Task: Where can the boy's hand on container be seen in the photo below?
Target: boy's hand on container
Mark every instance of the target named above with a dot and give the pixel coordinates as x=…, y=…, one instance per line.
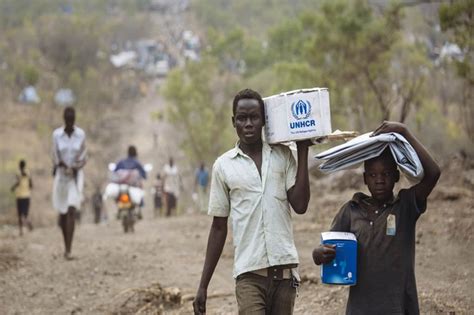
x=324, y=254
x=389, y=126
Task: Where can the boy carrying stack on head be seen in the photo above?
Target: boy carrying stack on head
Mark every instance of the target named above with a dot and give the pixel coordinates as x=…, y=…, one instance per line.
x=384, y=224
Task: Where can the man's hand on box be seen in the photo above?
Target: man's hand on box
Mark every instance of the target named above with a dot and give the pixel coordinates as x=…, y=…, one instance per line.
x=304, y=144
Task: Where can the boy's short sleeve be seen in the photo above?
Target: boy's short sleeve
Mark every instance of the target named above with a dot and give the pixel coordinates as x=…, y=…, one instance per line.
x=219, y=200
x=342, y=220
x=413, y=206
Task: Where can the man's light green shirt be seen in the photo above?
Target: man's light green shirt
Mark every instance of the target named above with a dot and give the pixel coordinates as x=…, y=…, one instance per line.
x=258, y=206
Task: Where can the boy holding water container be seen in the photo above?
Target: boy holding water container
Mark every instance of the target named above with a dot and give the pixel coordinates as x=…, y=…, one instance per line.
x=384, y=225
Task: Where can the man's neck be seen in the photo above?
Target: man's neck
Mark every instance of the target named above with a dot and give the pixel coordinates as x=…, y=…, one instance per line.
x=69, y=130
x=251, y=148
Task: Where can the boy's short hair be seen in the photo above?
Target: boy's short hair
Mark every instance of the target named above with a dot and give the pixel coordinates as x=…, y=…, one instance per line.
x=248, y=94
x=22, y=164
x=386, y=155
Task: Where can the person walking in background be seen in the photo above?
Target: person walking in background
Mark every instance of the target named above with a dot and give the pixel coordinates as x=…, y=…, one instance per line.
x=200, y=184
x=22, y=189
x=158, y=195
x=171, y=186
x=97, y=203
x=69, y=158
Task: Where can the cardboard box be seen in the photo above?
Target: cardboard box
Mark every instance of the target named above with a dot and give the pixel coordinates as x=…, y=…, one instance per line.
x=297, y=115
x=342, y=269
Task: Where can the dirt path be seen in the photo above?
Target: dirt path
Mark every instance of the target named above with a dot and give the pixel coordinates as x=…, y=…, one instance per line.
x=35, y=279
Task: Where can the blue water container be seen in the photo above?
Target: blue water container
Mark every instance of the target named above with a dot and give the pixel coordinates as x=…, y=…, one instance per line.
x=342, y=269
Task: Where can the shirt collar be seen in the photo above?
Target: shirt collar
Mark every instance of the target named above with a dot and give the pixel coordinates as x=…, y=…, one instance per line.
x=364, y=200
x=63, y=131
x=238, y=151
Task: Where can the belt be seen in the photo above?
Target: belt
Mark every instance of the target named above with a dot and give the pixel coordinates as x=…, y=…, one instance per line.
x=274, y=273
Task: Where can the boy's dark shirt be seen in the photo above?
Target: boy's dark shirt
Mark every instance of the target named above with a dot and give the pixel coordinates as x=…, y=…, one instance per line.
x=385, y=264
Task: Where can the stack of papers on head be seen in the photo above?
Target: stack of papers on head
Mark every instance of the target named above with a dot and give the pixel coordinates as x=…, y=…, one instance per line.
x=365, y=147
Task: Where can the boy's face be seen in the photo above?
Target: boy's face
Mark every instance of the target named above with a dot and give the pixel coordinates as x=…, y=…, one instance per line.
x=248, y=121
x=380, y=177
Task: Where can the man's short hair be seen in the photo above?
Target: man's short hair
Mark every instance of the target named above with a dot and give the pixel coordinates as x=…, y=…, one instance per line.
x=69, y=109
x=132, y=151
x=248, y=94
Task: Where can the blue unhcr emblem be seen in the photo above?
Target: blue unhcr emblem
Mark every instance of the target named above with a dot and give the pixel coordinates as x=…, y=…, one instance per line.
x=301, y=109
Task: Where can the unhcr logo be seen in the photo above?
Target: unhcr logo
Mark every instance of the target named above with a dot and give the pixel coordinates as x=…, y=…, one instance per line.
x=301, y=109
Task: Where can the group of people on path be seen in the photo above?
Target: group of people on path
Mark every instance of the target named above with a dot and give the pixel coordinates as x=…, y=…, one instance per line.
x=256, y=183
x=260, y=185
x=69, y=157
x=167, y=188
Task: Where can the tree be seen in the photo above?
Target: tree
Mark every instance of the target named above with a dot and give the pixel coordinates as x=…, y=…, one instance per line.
x=458, y=19
x=70, y=43
x=200, y=106
x=409, y=71
x=358, y=53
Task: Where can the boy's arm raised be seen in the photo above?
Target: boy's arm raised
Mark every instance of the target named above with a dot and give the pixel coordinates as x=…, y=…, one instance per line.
x=431, y=168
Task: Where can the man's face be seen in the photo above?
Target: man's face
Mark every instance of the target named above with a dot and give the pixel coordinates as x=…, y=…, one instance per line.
x=248, y=121
x=69, y=118
x=380, y=177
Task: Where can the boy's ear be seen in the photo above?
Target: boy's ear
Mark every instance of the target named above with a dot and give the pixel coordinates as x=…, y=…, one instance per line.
x=397, y=176
x=233, y=121
x=365, y=182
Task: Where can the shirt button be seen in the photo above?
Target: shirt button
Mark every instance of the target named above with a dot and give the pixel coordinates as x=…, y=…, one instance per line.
x=371, y=223
x=376, y=211
x=275, y=269
x=274, y=277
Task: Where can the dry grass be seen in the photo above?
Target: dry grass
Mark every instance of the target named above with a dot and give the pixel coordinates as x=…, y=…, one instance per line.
x=152, y=300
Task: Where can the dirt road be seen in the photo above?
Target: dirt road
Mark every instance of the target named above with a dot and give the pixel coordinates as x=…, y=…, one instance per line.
x=35, y=279
x=109, y=265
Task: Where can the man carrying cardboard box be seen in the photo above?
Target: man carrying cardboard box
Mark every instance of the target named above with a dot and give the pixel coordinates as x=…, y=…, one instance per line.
x=255, y=182
x=297, y=115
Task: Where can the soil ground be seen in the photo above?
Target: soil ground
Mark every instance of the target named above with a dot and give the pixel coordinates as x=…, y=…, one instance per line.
x=110, y=265
x=35, y=279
